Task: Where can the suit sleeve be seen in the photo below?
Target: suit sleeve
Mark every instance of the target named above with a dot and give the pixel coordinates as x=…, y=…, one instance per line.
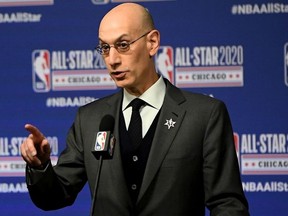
x=59, y=186
x=222, y=184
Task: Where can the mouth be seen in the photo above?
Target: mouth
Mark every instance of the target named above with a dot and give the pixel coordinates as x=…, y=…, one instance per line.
x=118, y=74
x=115, y=73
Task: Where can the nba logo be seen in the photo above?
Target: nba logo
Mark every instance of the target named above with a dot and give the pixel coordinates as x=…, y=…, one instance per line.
x=164, y=62
x=286, y=63
x=100, y=141
x=41, y=70
x=100, y=1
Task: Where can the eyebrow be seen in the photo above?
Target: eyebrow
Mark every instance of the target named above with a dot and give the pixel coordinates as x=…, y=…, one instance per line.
x=117, y=39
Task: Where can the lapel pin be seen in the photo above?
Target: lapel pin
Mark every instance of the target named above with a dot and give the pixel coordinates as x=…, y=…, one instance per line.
x=170, y=123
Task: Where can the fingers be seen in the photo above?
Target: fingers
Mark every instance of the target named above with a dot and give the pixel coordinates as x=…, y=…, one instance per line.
x=30, y=145
x=35, y=150
x=37, y=136
x=29, y=153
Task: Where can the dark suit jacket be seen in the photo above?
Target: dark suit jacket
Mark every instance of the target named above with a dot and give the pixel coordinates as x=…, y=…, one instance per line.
x=190, y=165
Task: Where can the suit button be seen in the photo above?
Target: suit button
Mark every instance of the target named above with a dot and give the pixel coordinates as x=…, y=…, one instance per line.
x=135, y=158
x=134, y=187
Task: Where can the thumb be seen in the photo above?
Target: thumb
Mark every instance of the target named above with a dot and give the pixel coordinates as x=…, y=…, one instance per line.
x=45, y=147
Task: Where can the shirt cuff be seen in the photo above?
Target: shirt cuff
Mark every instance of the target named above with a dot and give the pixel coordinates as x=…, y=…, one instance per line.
x=33, y=175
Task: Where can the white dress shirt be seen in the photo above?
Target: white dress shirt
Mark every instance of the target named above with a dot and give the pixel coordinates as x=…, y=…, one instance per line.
x=154, y=97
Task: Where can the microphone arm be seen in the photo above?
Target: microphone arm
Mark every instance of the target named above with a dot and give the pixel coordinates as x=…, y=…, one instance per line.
x=103, y=148
x=96, y=185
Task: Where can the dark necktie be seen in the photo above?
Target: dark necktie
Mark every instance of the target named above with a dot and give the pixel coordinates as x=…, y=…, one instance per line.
x=135, y=126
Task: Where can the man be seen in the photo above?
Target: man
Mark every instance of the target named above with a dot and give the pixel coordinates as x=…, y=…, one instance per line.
x=186, y=159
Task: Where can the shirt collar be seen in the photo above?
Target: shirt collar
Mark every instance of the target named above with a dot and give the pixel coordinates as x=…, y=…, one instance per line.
x=154, y=96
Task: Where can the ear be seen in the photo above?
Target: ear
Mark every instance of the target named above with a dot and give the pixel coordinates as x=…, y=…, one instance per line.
x=153, y=42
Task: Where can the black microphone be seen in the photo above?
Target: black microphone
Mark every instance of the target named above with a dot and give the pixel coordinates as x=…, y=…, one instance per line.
x=104, y=139
x=103, y=148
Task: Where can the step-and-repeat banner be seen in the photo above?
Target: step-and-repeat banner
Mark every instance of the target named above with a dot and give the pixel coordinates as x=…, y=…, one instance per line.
x=236, y=51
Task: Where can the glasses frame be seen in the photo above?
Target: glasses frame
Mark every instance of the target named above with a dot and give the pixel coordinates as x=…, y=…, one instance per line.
x=99, y=48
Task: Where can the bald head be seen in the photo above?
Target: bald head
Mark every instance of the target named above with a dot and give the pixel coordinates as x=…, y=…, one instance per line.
x=129, y=29
x=128, y=16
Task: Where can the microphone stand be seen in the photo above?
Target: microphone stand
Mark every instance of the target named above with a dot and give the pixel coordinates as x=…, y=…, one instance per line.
x=96, y=185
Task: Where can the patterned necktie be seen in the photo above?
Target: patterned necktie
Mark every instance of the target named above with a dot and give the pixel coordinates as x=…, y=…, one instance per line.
x=135, y=126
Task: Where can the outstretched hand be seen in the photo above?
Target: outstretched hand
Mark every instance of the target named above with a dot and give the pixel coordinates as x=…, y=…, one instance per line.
x=35, y=150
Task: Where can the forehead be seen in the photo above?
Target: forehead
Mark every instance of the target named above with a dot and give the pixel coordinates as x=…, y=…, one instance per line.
x=111, y=35
x=111, y=32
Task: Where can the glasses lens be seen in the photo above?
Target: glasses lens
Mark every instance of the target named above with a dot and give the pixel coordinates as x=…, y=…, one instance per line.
x=99, y=49
x=105, y=48
x=122, y=46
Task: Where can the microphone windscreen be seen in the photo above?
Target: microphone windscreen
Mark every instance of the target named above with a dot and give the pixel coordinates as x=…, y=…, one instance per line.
x=107, y=123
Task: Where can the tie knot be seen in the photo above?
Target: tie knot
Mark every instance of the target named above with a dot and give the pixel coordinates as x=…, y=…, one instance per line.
x=136, y=104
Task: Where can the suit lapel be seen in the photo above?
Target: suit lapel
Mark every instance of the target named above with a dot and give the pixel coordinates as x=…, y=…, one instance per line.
x=169, y=122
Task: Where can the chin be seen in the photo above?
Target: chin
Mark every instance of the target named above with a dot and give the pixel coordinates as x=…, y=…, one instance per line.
x=121, y=83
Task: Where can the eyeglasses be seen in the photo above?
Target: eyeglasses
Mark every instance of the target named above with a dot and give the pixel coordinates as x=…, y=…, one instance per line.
x=120, y=46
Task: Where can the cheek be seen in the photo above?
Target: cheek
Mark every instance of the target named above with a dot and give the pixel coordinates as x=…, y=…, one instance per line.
x=141, y=59
x=105, y=60
x=134, y=62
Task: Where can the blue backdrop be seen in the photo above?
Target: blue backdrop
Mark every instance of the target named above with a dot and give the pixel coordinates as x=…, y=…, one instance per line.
x=236, y=51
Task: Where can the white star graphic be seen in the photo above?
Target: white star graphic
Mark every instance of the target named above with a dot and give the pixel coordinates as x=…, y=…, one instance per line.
x=170, y=123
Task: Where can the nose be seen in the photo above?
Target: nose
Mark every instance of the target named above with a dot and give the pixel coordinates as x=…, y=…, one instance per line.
x=114, y=57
